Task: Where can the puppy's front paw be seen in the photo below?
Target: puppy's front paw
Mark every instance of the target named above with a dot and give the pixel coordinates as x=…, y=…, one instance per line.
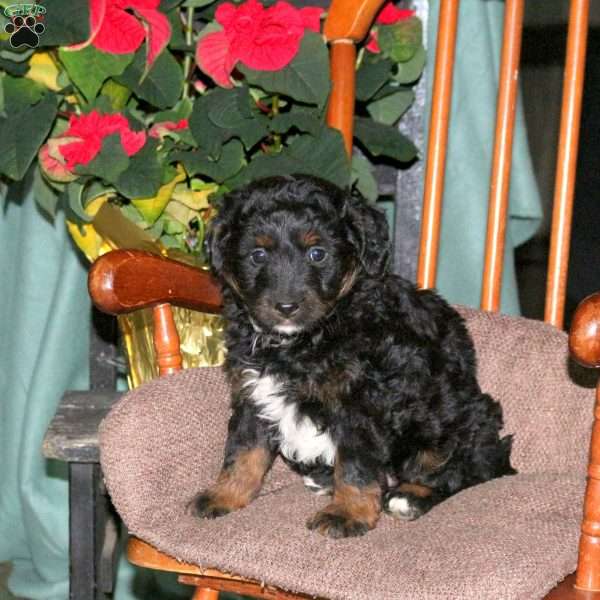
x=337, y=524
x=206, y=506
x=406, y=506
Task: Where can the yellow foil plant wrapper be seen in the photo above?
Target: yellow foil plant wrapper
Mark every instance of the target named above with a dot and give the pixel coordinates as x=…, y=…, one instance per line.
x=201, y=334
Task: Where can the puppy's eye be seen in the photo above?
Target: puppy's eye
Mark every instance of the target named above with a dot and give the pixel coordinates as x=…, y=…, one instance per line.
x=317, y=254
x=259, y=256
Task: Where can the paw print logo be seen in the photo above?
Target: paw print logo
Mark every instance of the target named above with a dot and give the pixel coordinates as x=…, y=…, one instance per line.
x=25, y=29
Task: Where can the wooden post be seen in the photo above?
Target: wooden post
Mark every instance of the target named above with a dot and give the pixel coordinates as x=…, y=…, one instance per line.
x=584, y=343
x=566, y=162
x=502, y=156
x=340, y=112
x=588, y=566
x=166, y=341
x=437, y=144
x=347, y=23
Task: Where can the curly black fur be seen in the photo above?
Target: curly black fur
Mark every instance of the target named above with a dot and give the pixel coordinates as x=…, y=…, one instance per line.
x=366, y=385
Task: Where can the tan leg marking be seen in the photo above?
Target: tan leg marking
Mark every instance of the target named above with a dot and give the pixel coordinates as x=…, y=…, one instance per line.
x=239, y=483
x=421, y=491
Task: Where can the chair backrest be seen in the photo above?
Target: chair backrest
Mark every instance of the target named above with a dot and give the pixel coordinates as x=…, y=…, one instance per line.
x=502, y=154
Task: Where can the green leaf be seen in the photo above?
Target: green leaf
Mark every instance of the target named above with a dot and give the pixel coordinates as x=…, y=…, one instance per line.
x=162, y=85
x=117, y=94
x=372, y=74
x=89, y=68
x=66, y=23
x=363, y=178
x=323, y=156
x=45, y=196
x=20, y=92
x=16, y=55
x=74, y=205
x=305, y=79
x=389, y=109
x=229, y=111
x=302, y=119
x=198, y=162
x=383, y=140
x=197, y=3
x=206, y=134
x=409, y=72
x=401, y=40
x=143, y=176
x=182, y=110
x=22, y=133
x=109, y=163
x=220, y=116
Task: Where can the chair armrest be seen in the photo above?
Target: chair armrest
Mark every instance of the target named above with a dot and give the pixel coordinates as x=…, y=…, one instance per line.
x=584, y=337
x=123, y=281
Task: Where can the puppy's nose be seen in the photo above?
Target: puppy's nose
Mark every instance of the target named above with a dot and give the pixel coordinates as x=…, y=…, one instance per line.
x=287, y=309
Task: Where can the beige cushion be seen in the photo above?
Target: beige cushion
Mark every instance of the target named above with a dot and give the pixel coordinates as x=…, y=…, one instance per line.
x=511, y=538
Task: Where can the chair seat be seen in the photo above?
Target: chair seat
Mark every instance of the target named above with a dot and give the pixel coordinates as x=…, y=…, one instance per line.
x=511, y=538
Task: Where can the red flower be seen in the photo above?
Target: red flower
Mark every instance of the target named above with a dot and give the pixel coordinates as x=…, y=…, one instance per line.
x=388, y=16
x=82, y=141
x=114, y=29
x=159, y=130
x=265, y=39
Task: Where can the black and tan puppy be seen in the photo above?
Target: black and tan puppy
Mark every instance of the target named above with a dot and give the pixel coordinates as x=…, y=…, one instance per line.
x=363, y=384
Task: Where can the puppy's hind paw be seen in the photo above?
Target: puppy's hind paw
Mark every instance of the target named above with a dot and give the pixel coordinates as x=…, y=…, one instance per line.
x=204, y=506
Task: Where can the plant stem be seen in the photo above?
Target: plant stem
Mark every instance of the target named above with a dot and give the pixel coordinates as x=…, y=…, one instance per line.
x=187, y=61
x=277, y=144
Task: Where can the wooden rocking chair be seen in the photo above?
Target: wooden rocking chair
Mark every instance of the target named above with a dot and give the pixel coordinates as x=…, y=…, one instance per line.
x=119, y=282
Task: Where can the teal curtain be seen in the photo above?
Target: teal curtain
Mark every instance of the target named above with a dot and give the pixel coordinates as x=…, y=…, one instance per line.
x=44, y=316
x=43, y=351
x=469, y=159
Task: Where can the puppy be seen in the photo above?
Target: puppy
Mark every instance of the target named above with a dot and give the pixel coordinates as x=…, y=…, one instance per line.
x=364, y=385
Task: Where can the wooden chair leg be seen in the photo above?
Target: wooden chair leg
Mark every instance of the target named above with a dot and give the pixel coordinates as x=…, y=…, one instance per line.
x=205, y=594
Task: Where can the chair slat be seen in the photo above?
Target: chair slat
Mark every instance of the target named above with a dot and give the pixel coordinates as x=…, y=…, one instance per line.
x=566, y=162
x=437, y=143
x=502, y=155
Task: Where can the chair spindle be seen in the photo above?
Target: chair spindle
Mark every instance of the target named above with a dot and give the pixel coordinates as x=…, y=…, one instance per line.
x=205, y=594
x=166, y=341
x=437, y=143
x=566, y=162
x=502, y=155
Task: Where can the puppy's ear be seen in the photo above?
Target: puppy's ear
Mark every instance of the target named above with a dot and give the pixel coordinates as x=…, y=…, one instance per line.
x=215, y=242
x=368, y=233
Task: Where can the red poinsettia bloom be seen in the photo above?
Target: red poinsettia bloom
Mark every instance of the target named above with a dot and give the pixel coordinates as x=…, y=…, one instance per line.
x=82, y=141
x=388, y=16
x=265, y=39
x=115, y=29
x=159, y=130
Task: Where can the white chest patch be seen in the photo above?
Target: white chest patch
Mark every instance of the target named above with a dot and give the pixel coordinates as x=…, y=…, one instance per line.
x=299, y=438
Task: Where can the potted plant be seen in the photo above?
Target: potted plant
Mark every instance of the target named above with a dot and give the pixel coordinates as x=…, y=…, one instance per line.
x=134, y=116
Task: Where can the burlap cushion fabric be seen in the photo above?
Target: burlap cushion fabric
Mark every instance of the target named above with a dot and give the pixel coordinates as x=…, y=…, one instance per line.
x=511, y=538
